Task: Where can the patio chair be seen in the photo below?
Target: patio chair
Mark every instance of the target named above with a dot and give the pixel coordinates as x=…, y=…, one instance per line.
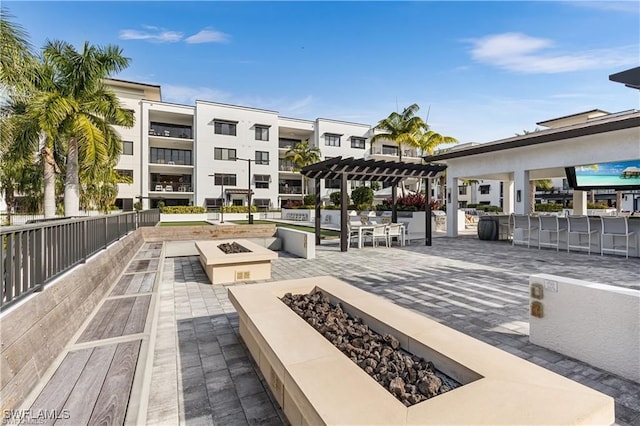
x=579, y=226
x=168, y=188
x=394, y=230
x=615, y=227
x=526, y=225
x=158, y=188
x=377, y=233
x=550, y=226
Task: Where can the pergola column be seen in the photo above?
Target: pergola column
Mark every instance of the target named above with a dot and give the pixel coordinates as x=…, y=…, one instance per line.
x=522, y=191
x=508, y=196
x=344, y=216
x=579, y=202
x=318, y=214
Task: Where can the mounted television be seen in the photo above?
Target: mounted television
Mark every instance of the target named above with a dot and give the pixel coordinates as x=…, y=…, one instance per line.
x=618, y=175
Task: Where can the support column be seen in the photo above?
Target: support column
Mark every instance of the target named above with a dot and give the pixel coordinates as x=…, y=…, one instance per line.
x=427, y=212
x=452, y=205
x=508, y=197
x=394, y=202
x=344, y=217
x=318, y=213
x=522, y=191
x=579, y=202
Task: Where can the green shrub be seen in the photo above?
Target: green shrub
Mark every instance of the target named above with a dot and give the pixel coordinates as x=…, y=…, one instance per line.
x=485, y=208
x=309, y=200
x=137, y=205
x=362, y=197
x=183, y=210
x=238, y=209
x=335, y=198
x=548, y=207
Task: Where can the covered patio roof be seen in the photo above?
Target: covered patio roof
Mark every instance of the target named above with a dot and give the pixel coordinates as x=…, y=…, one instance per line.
x=347, y=169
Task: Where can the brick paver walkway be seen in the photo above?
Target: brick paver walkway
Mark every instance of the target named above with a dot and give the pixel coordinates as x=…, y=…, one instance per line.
x=203, y=374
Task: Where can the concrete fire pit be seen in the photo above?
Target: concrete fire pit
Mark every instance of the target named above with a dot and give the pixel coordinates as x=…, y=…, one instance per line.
x=224, y=268
x=315, y=383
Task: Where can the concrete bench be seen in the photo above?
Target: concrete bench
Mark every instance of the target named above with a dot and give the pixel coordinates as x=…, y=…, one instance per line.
x=316, y=384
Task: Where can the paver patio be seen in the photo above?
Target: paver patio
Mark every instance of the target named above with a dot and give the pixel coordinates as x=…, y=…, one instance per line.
x=203, y=374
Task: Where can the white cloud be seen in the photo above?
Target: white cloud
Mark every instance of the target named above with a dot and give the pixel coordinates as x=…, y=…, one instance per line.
x=208, y=36
x=152, y=34
x=525, y=54
x=187, y=95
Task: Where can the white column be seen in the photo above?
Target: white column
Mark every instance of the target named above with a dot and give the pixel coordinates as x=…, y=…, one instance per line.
x=522, y=189
x=452, y=206
x=508, y=196
x=580, y=202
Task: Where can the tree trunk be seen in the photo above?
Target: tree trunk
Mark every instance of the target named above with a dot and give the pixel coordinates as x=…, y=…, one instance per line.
x=403, y=189
x=618, y=202
x=71, y=182
x=10, y=200
x=442, y=190
x=49, y=183
x=532, y=196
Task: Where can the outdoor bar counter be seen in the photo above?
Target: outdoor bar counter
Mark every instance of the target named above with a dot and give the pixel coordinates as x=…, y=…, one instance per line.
x=596, y=225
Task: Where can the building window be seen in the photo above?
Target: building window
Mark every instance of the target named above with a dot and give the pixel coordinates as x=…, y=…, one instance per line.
x=225, y=154
x=262, y=157
x=462, y=190
x=262, y=203
x=170, y=156
x=124, y=176
x=262, y=181
x=331, y=139
x=224, y=179
x=358, y=142
x=332, y=183
x=484, y=189
x=262, y=133
x=127, y=148
x=224, y=127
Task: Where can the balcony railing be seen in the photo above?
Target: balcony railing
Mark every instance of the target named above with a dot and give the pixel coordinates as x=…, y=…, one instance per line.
x=377, y=150
x=290, y=189
x=172, y=162
x=170, y=187
x=285, y=144
x=170, y=131
x=285, y=166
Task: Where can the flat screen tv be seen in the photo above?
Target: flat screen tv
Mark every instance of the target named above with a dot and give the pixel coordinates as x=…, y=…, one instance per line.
x=618, y=175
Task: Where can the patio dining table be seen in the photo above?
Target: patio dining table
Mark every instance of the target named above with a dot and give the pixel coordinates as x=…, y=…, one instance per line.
x=370, y=227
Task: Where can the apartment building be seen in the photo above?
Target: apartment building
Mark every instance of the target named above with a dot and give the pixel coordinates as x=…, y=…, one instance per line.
x=213, y=153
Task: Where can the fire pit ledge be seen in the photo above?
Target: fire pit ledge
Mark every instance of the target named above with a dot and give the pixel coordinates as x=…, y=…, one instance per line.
x=315, y=383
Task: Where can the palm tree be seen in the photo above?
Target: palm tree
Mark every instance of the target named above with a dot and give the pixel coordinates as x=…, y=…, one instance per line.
x=16, y=58
x=400, y=128
x=428, y=140
x=80, y=110
x=301, y=155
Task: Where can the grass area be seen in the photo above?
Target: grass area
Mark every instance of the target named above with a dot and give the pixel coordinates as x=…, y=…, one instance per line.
x=196, y=223
x=323, y=232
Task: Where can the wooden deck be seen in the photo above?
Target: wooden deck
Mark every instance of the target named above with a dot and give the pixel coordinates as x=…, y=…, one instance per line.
x=94, y=381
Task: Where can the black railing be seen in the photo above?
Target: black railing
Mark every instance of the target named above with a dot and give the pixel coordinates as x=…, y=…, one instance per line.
x=170, y=187
x=33, y=255
x=170, y=130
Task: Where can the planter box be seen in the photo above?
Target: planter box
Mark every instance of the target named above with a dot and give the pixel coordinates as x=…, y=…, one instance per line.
x=317, y=384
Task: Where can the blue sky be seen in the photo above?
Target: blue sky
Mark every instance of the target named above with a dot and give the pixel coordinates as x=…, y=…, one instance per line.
x=481, y=70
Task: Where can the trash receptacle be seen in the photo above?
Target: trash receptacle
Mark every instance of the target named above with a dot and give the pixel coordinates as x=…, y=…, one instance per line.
x=488, y=228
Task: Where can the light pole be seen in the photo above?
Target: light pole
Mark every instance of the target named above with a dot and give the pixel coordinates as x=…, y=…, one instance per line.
x=248, y=160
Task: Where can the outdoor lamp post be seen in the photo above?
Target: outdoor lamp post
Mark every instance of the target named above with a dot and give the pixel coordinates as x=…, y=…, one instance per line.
x=248, y=160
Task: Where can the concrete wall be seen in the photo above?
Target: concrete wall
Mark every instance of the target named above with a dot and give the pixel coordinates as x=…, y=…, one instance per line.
x=35, y=332
x=193, y=217
x=206, y=232
x=595, y=323
x=299, y=243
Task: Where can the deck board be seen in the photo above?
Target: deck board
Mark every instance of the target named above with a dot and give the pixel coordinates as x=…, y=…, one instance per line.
x=138, y=316
x=96, y=327
x=111, y=406
x=123, y=284
x=134, y=283
x=118, y=321
x=145, y=265
x=80, y=403
x=58, y=389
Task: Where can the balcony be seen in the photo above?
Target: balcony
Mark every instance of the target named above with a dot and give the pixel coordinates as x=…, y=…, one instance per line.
x=282, y=189
x=170, y=131
x=170, y=187
x=287, y=143
x=286, y=166
x=388, y=153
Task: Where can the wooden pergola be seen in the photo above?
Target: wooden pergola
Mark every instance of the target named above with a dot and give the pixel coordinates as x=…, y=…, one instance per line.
x=391, y=172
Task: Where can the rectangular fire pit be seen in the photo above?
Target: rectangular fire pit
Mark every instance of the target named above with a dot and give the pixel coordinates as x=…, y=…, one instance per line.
x=315, y=383
x=223, y=268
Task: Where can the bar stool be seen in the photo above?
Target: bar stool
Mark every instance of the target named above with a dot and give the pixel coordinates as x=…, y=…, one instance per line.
x=615, y=227
x=579, y=226
x=526, y=225
x=550, y=225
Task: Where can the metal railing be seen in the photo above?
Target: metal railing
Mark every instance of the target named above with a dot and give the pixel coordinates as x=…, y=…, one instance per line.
x=33, y=255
